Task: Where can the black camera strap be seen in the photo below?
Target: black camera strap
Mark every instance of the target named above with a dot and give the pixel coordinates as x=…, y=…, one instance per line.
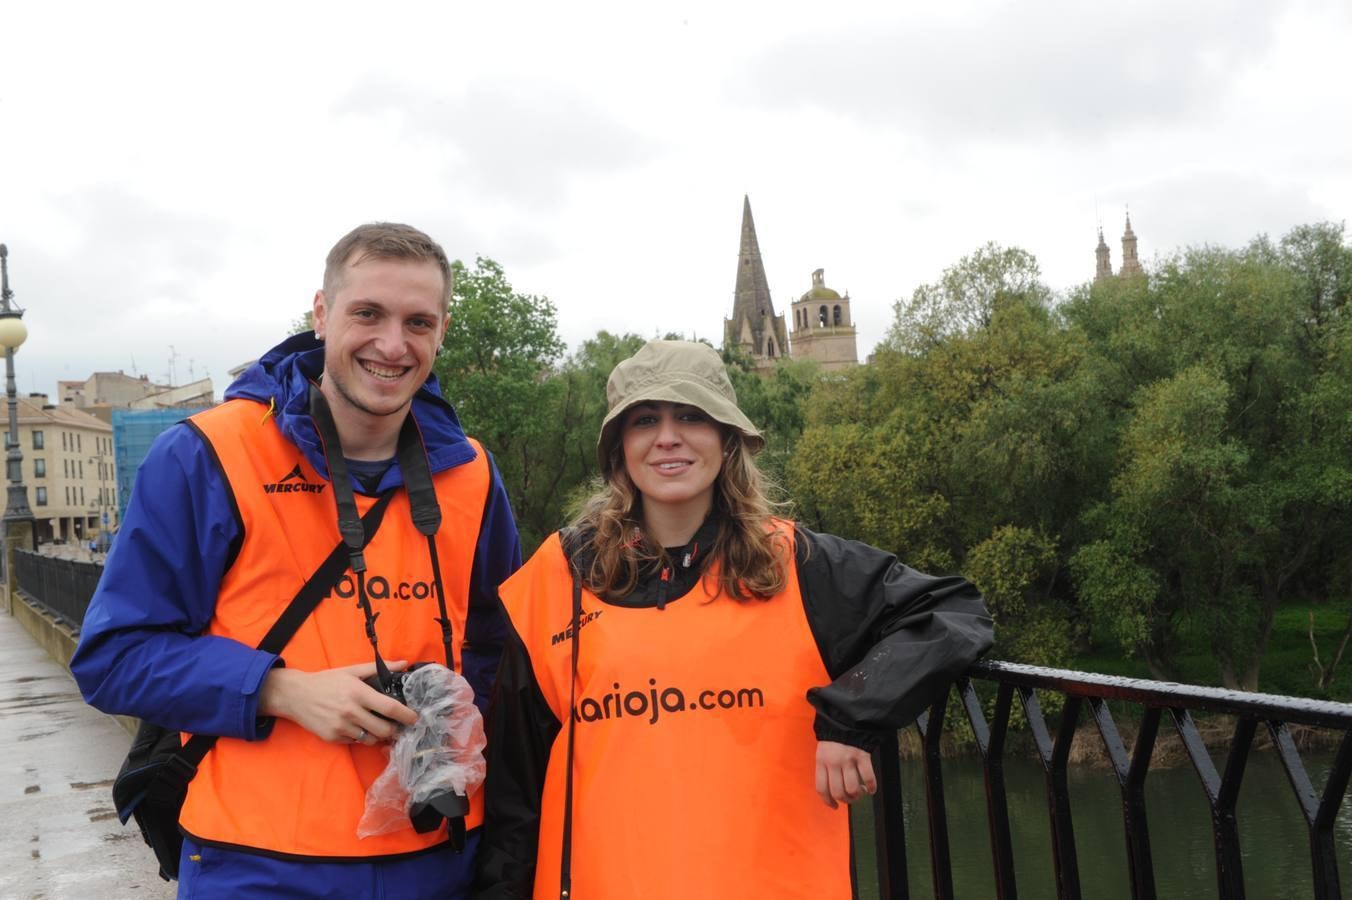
x=566, y=861
x=424, y=510
x=315, y=589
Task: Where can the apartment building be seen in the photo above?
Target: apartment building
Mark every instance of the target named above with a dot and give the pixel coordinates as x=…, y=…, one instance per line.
x=68, y=471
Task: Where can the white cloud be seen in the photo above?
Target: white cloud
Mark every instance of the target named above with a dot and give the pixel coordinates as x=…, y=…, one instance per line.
x=1020, y=70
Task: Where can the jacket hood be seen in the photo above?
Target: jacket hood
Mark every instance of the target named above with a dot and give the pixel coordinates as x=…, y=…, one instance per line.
x=282, y=379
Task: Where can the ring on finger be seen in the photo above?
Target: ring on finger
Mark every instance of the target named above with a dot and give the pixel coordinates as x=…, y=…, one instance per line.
x=361, y=736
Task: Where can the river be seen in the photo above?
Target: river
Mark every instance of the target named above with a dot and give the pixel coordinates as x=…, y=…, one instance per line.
x=1273, y=835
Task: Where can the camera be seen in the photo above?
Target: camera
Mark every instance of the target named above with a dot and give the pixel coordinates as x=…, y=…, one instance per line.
x=440, y=804
x=395, y=686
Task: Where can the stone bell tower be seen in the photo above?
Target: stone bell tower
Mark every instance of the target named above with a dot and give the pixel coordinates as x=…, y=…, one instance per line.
x=1131, y=266
x=1104, y=268
x=823, y=330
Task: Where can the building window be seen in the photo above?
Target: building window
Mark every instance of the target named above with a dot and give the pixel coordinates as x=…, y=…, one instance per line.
x=42, y=496
x=68, y=495
x=78, y=444
x=82, y=495
x=38, y=443
x=64, y=439
x=836, y=315
x=821, y=317
x=80, y=463
x=39, y=468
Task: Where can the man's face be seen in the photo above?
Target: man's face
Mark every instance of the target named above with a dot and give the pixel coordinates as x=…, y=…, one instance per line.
x=381, y=330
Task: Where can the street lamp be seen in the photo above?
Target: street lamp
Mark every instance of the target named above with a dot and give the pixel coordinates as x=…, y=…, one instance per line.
x=18, y=520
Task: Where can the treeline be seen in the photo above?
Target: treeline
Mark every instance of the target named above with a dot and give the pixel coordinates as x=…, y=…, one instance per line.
x=1134, y=461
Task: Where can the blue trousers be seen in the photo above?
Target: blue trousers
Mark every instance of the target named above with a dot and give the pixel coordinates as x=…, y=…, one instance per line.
x=208, y=873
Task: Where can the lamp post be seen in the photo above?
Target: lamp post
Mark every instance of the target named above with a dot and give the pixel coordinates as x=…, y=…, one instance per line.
x=18, y=520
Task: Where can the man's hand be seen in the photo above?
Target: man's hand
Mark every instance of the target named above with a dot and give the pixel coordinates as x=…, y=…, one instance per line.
x=334, y=704
x=844, y=773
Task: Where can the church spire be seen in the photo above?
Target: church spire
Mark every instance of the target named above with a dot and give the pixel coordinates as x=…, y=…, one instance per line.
x=1131, y=266
x=751, y=306
x=752, y=293
x=1104, y=268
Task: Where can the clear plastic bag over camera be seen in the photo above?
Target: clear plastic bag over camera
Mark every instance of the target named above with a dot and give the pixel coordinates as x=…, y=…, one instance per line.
x=442, y=751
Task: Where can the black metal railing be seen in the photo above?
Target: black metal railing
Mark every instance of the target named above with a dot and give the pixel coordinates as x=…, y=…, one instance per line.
x=1154, y=699
x=61, y=586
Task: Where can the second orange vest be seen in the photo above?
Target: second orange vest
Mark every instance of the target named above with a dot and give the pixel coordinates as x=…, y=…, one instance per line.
x=695, y=755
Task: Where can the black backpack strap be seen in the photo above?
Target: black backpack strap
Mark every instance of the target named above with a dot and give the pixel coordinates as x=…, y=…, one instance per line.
x=184, y=764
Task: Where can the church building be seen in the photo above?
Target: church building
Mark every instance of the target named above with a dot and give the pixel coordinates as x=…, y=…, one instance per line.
x=823, y=330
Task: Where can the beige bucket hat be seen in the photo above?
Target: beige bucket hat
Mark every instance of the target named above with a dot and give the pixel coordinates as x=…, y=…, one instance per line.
x=678, y=372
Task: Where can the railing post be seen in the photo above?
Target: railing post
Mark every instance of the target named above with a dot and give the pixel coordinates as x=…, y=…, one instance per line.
x=889, y=830
x=1131, y=780
x=1319, y=812
x=931, y=726
x=1221, y=794
x=1054, y=757
x=991, y=743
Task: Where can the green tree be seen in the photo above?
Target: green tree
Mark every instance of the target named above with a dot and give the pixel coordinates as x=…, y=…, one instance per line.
x=972, y=427
x=580, y=408
x=965, y=297
x=1011, y=568
x=1212, y=369
x=775, y=403
x=495, y=367
x=303, y=323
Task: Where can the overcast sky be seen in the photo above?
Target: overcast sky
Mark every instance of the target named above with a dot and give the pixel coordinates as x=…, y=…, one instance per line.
x=173, y=177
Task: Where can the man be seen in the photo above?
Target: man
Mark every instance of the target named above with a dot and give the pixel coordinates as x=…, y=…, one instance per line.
x=233, y=511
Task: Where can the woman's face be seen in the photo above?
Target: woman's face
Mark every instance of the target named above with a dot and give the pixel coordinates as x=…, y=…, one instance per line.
x=673, y=454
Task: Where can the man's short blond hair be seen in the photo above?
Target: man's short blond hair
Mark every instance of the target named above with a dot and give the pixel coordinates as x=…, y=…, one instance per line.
x=384, y=240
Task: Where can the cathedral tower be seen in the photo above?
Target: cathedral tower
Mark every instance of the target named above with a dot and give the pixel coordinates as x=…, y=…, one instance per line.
x=754, y=327
x=1131, y=266
x=1104, y=269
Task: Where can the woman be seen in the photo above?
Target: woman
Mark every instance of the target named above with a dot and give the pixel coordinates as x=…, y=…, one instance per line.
x=727, y=672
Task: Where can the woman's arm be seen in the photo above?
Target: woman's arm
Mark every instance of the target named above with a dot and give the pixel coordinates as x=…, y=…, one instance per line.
x=521, y=730
x=893, y=639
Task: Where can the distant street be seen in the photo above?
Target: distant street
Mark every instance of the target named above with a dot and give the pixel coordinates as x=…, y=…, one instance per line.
x=59, y=835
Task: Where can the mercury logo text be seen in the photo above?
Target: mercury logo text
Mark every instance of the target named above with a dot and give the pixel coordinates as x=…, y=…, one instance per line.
x=294, y=482
x=649, y=705
x=560, y=636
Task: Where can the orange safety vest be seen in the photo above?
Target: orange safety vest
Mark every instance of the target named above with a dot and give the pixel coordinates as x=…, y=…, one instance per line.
x=291, y=793
x=694, y=764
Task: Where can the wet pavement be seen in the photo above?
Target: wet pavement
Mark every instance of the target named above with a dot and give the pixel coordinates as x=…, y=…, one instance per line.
x=59, y=836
